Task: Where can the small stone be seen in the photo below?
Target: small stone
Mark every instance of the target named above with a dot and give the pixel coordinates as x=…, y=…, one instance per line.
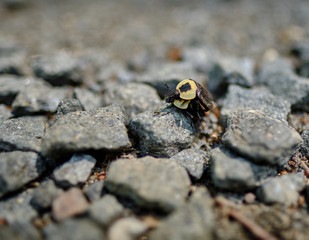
x=239, y=98
x=194, y=161
x=149, y=182
x=249, y=198
x=23, y=134
x=94, y=191
x=134, y=97
x=13, y=64
x=105, y=210
x=127, y=229
x=99, y=129
x=20, y=231
x=68, y=105
x=233, y=173
x=163, y=133
x=88, y=99
x=260, y=138
x=5, y=113
x=195, y=220
x=305, y=146
x=17, y=169
x=45, y=194
x=68, y=204
x=10, y=86
x=37, y=97
x=283, y=190
x=59, y=69
x=73, y=229
x=114, y=71
x=76, y=171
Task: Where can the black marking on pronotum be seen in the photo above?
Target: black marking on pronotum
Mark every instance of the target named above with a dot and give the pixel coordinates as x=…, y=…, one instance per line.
x=186, y=87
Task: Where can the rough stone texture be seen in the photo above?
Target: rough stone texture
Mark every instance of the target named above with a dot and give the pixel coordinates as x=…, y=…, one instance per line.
x=18, y=208
x=194, y=161
x=261, y=99
x=100, y=129
x=88, y=99
x=195, y=220
x=17, y=169
x=127, y=229
x=105, y=210
x=94, y=191
x=134, y=97
x=19, y=231
x=149, y=182
x=76, y=171
x=116, y=71
x=163, y=133
x=73, y=229
x=5, y=113
x=233, y=173
x=58, y=69
x=45, y=194
x=284, y=189
x=37, y=97
x=68, y=105
x=23, y=134
x=260, y=138
x=68, y=204
x=305, y=146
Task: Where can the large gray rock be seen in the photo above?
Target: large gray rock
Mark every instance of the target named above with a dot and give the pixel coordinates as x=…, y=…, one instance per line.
x=73, y=229
x=105, y=210
x=260, y=138
x=17, y=169
x=233, y=173
x=23, y=134
x=88, y=99
x=194, y=161
x=149, y=182
x=195, y=220
x=76, y=171
x=100, y=129
x=239, y=98
x=284, y=189
x=163, y=133
x=134, y=97
x=59, y=69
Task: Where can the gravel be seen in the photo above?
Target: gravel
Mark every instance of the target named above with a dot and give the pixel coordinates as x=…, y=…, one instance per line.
x=5, y=113
x=88, y=99
x=305, y=146
x=68, y=105
x=94, y=191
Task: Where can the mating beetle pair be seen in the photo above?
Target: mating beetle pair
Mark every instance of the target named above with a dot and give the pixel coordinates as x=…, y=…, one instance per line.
x=191, y=96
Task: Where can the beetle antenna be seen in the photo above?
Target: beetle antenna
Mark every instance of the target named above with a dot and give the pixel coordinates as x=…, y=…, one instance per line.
x=167, y=86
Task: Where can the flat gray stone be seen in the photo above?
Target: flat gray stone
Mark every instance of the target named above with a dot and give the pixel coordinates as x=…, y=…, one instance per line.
x=134, y=97
x=260, y=138
x=23, y=134
x=17, y=169
x=283, y=190
x=239, y=98
x=94, y=191
x=88, y=99
x=105, y=210
x=68, y=105
x=73, y=229
x=100, y=129
x=233, y=173
x=163, y=133
x=152, y=183
x=76, y=171
x=195, y=220
x=194, y=161
x=5, y=113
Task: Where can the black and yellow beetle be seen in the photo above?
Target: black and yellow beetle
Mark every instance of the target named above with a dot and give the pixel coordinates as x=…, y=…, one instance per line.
x=192, y=96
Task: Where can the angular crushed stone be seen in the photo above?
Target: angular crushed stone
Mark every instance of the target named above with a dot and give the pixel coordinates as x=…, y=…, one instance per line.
x=89, y=100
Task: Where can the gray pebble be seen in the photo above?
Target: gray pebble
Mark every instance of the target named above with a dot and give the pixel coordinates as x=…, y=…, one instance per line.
x=67, y=106
x=261, y=99
x=19, y=231
x=163, y=133
x=13, y=64
x=5, y=113
x=233, y=173
x=23, y=134
x=149, y=182
x=114, y=71
x=73, y=229
x=87, y=98
x=105, y=210
x=305, y=146
x=17, y=169
x=76, y=171
x=284, y=189
x=10, y=86
x=94, y=191
x=134, y=97
x=194, y=161
x=260, y=138
x=100, y=129
x=195, y=220
x=58, y=69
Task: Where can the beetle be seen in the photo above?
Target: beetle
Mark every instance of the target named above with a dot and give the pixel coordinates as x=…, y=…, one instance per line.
x=192, y=96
